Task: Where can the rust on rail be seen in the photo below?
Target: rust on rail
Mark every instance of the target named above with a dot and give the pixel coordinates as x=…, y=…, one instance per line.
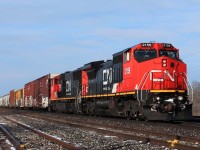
x=126, y=136
x=16, y=143
x=46, y=136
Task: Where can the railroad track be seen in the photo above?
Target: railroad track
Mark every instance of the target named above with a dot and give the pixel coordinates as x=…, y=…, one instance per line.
x=128, y=134
x=191, y=125
x=19, y=146
x=146, y=132
x=94, y=124
x=8, y=140
x=112, y=142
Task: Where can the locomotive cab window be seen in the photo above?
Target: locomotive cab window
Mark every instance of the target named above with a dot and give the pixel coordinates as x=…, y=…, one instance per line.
x=169, y=53
x=144, y=55
x=126, y=56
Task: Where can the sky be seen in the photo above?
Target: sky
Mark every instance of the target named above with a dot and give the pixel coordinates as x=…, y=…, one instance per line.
x=38, y=37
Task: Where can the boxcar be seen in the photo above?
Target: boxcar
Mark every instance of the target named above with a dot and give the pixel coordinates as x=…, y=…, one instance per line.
x=42, y=91
x=4, y=100
x=12, y=100
x=19, y=97
x=29, y=94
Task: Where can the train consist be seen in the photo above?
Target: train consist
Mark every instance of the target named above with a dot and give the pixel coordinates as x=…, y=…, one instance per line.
x=146, y=81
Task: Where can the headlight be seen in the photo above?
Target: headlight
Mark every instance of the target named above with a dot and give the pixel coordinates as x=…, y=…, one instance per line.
x=164, y=62
x=157, y=98
x=180, y=98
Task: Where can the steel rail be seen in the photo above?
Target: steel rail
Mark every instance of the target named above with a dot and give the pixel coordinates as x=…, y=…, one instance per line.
x=46, y=136
x=16, y=143
x=121, y=134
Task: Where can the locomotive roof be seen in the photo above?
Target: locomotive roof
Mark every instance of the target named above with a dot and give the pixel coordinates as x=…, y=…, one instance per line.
x=91, y=65
x=121, y=52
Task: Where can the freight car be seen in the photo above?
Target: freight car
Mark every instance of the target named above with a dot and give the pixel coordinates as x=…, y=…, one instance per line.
x=12, y=99
x=4, y=100
x=148, y=81
x=37, y=92
x=19, y=98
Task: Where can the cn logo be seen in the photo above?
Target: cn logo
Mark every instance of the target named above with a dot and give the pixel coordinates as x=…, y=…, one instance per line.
x=107, y=76
x=164, y=75
x=68, y=86
x=127, y=70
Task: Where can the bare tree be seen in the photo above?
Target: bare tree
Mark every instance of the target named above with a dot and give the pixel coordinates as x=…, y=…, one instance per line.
x=196, y=98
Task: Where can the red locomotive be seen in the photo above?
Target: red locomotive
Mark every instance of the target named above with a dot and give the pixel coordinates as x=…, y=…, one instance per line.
x=146, y=81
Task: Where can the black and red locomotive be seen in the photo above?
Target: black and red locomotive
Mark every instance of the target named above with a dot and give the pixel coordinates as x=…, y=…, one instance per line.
x=146, y=81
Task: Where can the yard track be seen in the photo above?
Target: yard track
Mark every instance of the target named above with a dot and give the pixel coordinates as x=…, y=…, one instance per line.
x=109, y=133
x=155, y=138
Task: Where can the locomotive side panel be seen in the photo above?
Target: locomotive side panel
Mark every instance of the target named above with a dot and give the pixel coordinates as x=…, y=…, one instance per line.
x=104, y=78
x=117, y=71
x=92, y=82
x=62, y=92
x=55, y=87
x=66, y=83
x=69, y=84
x=89, y=78
x=84, y=83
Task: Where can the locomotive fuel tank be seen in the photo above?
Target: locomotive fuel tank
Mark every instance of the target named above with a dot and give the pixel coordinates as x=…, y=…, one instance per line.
x=102, y=104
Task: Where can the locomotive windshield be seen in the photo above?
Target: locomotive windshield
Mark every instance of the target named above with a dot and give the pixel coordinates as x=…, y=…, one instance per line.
x=143, y=55
x=169, y=53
